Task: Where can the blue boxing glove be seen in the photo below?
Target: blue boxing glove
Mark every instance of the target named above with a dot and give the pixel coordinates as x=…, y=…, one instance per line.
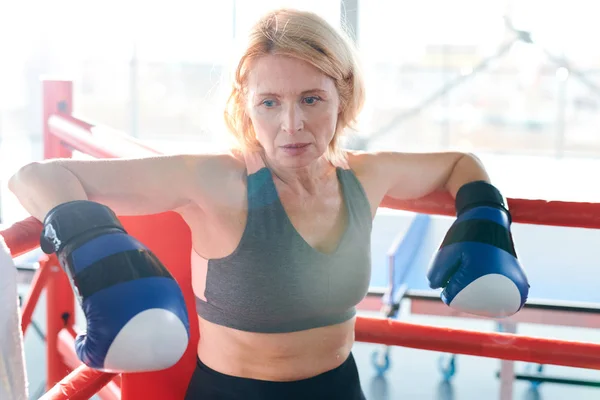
x=136, y=314
x=477, y=264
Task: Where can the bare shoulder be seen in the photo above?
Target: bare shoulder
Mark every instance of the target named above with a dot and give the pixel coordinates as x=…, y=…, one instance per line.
x=218, y=202
x=371, y=165
x=221, y=165
x=361, y=161
x=405, y=176
x=216, y=176
x=378, y=162
x=400, y=175
x=367, y=166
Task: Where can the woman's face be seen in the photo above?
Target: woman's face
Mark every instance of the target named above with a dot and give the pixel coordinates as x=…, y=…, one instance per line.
x=294, y=109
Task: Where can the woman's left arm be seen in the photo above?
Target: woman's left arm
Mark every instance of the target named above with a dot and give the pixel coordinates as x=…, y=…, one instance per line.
x=476, y=263
x=406, y=176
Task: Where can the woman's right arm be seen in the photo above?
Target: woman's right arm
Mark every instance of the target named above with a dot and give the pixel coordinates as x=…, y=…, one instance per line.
x=128, y=186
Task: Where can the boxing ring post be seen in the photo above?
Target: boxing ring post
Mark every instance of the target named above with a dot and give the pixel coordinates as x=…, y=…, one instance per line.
x=68, y=378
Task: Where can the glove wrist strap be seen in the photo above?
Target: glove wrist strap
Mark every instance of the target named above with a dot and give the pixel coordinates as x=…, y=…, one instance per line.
x=477, y=194
x=72, y=219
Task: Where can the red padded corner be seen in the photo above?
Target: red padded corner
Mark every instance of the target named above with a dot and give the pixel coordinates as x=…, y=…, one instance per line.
x=169, y=237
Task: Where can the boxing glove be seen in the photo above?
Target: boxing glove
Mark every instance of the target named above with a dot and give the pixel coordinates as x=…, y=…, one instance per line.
x=135, y=311
x=476, y=264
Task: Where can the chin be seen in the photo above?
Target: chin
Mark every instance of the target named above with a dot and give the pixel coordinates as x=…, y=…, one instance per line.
x=296, y=162
x=303, y=159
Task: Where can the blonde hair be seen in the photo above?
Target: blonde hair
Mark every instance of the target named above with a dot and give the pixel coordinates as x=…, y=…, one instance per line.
x=308, y=37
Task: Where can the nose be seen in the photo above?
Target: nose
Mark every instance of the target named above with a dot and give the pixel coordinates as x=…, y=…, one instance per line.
x=292, y=119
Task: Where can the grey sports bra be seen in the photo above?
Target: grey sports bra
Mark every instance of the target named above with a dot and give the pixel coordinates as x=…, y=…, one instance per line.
x=275, y=281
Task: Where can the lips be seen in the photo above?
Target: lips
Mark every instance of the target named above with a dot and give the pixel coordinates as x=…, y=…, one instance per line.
x=295, y=145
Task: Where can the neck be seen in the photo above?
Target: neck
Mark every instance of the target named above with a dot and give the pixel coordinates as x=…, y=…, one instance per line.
x=303, y=180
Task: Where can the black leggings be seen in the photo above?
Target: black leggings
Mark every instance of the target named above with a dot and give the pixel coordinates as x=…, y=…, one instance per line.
x=339, y=383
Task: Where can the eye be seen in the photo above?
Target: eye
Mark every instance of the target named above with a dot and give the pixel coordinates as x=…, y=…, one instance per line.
x=311, y=100
x=268, y=103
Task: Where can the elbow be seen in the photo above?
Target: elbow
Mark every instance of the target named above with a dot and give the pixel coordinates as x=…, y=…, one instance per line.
x=467, y=168
x=40, y=186
x=19, y=181
x=465, y=156
x=468, y=162
x=472, y=157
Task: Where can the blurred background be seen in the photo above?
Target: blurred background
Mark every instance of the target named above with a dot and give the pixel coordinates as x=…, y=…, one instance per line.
x=440, y=75
x=154, y=69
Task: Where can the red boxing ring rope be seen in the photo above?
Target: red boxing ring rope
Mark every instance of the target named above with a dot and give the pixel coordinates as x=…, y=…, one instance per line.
x=22, y=236
x=525, y=211
x=82, y=384
x=104, y=143
x=482, y=344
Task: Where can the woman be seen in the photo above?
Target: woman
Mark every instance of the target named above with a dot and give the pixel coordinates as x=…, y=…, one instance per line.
x=281, y=225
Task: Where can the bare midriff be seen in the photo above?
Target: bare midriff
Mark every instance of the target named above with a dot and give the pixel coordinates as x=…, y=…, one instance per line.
x=277, y=357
